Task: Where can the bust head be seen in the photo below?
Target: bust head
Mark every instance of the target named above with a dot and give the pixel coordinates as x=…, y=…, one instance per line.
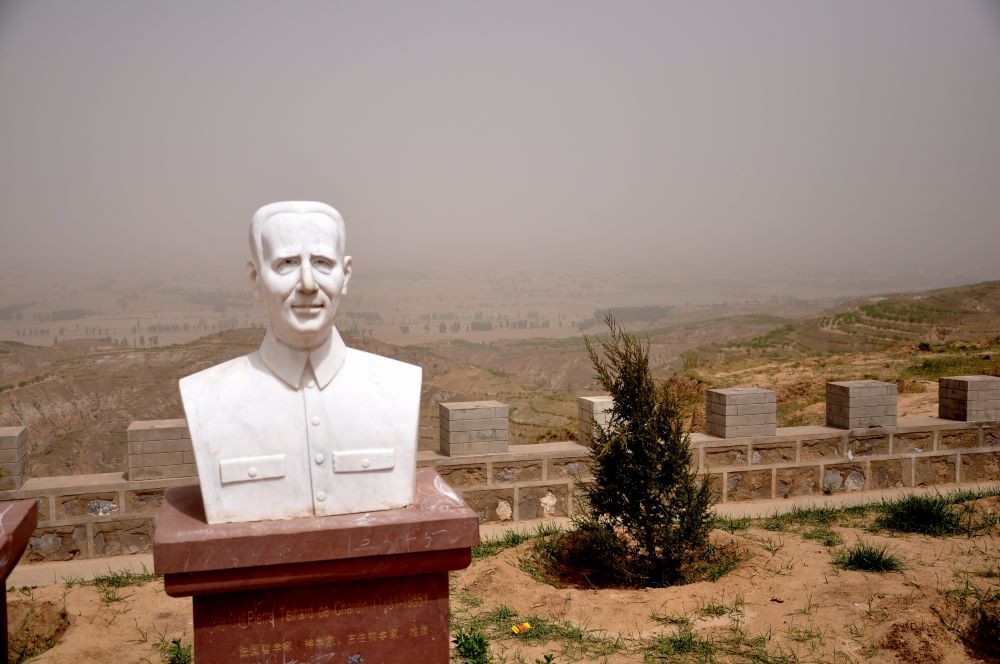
x=299, y=269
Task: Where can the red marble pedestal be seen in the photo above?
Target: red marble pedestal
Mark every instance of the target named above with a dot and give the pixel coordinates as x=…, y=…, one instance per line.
x=18, y=519
x=351, y=589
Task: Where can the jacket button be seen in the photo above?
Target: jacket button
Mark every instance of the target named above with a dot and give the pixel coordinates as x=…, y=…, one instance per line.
x=315, y=421
x=321, y=496
x=252, y=471
x=319, y=459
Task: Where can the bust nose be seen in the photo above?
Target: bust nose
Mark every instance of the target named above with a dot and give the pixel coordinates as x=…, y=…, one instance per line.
x=306, y=282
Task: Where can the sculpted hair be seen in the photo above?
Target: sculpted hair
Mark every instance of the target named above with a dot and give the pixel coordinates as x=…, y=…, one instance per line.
x=261, y=216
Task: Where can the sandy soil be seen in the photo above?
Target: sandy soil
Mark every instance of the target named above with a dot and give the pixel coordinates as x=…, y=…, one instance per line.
x=786, y=592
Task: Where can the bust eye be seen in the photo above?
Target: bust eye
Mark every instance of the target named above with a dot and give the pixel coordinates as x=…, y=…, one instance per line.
x=283, y=265
x=323, y=264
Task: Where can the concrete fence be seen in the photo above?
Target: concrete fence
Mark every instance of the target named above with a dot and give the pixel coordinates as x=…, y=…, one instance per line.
x=744, y=457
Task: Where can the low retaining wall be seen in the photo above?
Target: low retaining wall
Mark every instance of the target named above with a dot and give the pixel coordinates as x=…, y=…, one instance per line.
x=801, y=461
x=86, y=516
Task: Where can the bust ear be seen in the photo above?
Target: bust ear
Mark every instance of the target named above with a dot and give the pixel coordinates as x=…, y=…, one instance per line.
x=347, y=274
x=252, y=276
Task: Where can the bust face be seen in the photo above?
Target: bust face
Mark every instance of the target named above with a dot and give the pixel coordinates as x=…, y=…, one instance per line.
x=301, y=276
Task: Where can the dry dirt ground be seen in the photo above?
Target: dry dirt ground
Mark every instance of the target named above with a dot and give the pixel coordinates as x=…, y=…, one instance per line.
x=786, y=602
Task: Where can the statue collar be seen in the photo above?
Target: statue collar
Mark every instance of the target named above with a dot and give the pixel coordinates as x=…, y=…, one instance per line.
x=289, y=364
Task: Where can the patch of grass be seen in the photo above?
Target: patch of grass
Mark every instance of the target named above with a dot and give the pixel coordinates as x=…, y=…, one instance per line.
x=472, y=646
x=731, y=525
x=174, y=651
x=123, y=578
x=930, y=515
x=824, y=535
x=510, y=539
x=576, y=640
x=865, y=557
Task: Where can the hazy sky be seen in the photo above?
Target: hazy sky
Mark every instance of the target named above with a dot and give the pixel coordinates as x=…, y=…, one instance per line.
x=735, y=137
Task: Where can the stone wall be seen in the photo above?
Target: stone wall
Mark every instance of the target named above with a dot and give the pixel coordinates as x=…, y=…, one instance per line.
x=87, y=516
x=800, y=461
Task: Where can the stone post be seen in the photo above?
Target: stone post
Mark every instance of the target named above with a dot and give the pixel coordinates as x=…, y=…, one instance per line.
x=473, y=427
x=854, y=404
x=592, y=411
x=13, y=457
x=160, y=449
x=734, y=412
x=969, y=398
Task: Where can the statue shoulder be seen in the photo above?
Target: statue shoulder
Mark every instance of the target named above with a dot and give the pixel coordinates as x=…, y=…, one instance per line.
x=381, y=366
x=229, y=371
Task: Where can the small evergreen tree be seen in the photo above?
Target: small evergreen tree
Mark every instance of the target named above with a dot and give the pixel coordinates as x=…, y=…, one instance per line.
x=644, y=494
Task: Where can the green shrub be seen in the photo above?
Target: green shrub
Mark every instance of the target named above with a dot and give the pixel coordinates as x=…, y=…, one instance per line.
x=649, y=516
x=865, y=557
x=472, y=646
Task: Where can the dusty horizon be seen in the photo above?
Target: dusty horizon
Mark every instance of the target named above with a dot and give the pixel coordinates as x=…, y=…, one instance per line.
x=850, y=142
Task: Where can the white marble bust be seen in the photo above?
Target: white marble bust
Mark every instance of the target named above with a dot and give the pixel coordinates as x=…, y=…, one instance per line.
x=304, y=426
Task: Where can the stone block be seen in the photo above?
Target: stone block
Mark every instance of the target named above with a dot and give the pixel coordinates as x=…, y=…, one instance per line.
x=595, y=405
x=13, y=454
x=516, y=471
x=571, y=468
x=980, y=467
x=474, y=448
x=844, y=477
x=783, y=452
x=473, y=436
x=822, y=448
x=539, y=502
x=491, y=504
x=123, y=537
x=715, y=485
x=159, y=446
x=991, y=437
x=915, y=442
x=57, y=543
x=751, y=431
x=43, y=509
x=472, y=410
x=464, y=476
x=797, y=481
x=482, y=424
x=13, y=437
x=855, y=404
x=87, y=504
x=931, y=470
x=965, y=384
x=732, y=396
x=960, y=439
x=157, y=430
x=860, y=388
x=748, y=485
x=889, y=473
x=143, y=501
x=868, y=445
x=718, y=457
x=163, y=472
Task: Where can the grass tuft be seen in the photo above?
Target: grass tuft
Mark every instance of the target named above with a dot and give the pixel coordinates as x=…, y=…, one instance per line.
x=930, y=515
x=865, y=557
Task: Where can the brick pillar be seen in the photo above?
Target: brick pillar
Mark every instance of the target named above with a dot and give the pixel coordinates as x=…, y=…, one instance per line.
x=473, y=427
x=13, y=457
x=160, y=449
x=592, y=411
x=853, y=404
x=733, y=412
x=969, y=398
